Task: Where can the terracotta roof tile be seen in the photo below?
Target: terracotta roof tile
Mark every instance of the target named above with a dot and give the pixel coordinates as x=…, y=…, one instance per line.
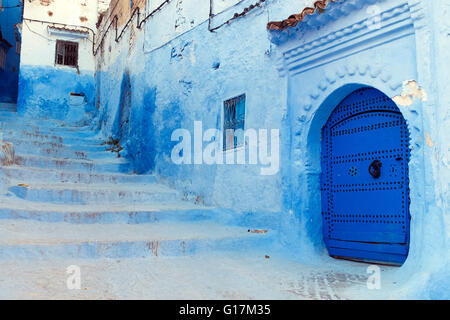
x=293, y=20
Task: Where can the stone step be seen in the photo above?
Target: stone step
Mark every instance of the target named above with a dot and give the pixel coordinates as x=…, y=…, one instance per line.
x=15, y=208
x=36, y=127
x=35, y=175
x=44, y=142
x=59, y=150
x=31, y=135
x=78, y=193
x=21, y=239
x=5, y=111
x=111, y=165
x=8, y=114
x=8, y=107
x=13, y=117
x=88, y=141
x=11, y=109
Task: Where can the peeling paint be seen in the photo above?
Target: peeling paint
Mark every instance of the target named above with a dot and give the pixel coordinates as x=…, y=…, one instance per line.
x=410, y=93
x=7, y=154
x=428, y=139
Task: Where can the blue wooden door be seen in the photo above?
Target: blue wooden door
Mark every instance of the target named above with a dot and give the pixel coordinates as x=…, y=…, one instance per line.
x=364, y=181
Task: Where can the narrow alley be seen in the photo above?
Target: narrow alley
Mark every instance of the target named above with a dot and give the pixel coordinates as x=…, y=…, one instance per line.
x=224, y=149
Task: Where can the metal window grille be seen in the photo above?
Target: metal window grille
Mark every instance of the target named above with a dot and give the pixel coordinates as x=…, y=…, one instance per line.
x=66, y=53
x=234, y=120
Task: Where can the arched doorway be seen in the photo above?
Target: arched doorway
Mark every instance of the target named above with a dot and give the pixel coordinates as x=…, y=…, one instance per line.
x=365, y=180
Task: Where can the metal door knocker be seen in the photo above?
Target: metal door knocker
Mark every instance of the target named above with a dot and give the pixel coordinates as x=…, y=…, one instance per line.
x=375, y=169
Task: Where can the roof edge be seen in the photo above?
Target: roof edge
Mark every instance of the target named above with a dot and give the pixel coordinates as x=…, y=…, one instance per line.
x=295, y=19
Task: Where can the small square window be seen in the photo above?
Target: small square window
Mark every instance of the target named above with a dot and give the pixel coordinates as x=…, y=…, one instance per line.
x=234, y=120
x=66, y=53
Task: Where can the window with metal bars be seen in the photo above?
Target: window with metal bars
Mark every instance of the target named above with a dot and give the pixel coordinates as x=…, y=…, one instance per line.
x=66, y=53
x=234, y=120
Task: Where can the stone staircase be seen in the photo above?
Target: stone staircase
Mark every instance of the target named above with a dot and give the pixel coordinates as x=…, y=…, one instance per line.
x=68, y=197
x=67, y=201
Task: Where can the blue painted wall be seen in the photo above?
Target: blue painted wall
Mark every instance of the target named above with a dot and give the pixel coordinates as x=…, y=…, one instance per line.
x=9, y=17
x=45, y=93
x=188, y=80
x=293, y=84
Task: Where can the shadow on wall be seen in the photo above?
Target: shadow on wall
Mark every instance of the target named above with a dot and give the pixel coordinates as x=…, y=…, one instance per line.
x=133, y=125
x=121, y=126
x=141, y=144
x=8, y=86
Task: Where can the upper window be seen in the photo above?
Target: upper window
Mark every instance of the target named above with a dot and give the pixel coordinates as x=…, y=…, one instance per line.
x=66, y=53
x=234, y=118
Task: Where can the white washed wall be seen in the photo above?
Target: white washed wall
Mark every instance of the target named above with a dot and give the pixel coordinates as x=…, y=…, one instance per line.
x=38, y=44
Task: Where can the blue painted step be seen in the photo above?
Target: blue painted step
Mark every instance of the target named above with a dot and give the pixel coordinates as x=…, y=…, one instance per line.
x=58, y=150
x=178, y=211
x=36, y=175
x=30, y=239
x=111, y=165
x=78, y=193
x=56, y=143
x=35, y=128
x=70, y=198
x=28, y=134
x=8, y=107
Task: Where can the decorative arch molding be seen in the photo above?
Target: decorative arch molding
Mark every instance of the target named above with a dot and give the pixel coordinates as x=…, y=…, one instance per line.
x=306, y=124
x=341, y=81
x=314, y=42
x=306, y=133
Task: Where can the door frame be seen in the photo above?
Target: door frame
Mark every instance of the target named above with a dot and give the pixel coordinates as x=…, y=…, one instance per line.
x=319, y=75
x=355, y=245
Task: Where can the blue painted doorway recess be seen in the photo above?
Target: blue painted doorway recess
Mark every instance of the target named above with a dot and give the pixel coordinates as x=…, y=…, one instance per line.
x=365, y=180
